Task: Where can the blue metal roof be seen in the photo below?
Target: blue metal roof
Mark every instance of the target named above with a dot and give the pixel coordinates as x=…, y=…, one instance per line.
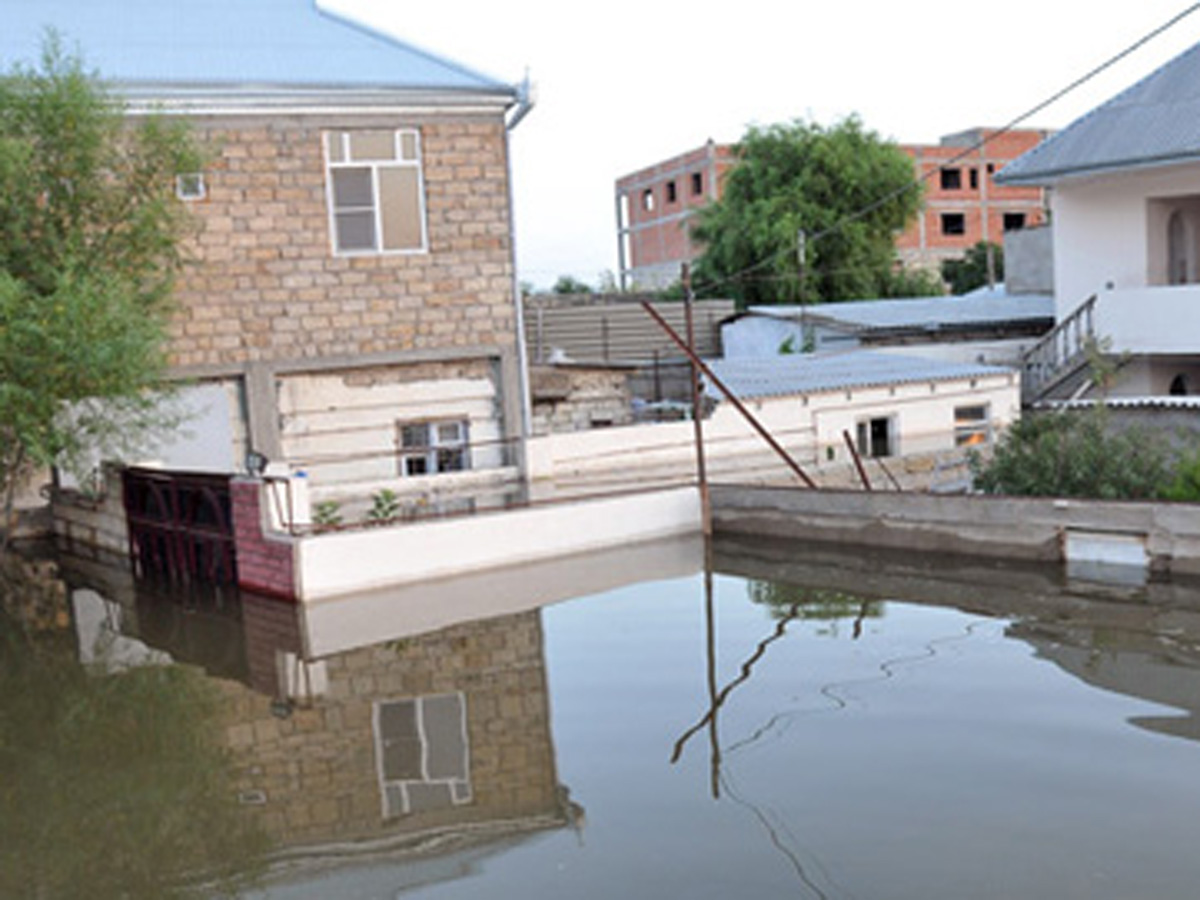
x=814, y=373
x=1152, y=123
x=278, y=43
x=925, y=313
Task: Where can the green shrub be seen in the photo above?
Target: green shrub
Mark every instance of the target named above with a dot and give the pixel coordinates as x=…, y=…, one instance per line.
x=1076, y=454
x=385, y=506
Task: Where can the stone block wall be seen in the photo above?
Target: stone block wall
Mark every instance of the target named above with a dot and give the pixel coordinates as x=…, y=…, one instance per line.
x=315, y=772
x=266, y=285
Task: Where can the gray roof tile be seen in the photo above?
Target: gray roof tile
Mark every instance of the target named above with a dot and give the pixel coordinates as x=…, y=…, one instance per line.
x=820, y=372
x=1154, y=122
x=280, y=43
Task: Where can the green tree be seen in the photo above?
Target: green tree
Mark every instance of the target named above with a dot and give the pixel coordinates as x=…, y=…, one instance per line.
x=971, y=271
x=846, y=188
x=90, y=233
x=569, y=284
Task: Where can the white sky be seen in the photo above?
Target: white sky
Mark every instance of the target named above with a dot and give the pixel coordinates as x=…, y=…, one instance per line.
x=625, y=83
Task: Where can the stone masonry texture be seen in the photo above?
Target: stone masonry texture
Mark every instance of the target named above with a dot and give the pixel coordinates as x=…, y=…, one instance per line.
x=264, y=283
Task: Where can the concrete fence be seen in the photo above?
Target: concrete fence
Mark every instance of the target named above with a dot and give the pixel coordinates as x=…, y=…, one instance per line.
x=1151, y=537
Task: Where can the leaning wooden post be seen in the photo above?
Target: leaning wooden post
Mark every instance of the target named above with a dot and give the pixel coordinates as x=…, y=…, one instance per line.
x=730, y=396
x=697, y=409
x=858, y=463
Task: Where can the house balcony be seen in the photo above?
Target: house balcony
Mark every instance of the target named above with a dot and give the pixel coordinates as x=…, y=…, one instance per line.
x=1152, y=321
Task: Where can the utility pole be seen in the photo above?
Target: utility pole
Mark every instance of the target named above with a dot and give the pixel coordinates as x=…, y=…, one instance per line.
x=685, y=276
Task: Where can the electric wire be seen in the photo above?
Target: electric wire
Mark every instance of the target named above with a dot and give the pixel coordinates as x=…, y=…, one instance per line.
x=916, y=182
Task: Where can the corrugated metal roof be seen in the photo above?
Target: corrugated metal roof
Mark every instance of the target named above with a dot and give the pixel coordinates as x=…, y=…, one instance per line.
x=819, y=372
x=1154, y=122
x=925, y=313
x=286, y=43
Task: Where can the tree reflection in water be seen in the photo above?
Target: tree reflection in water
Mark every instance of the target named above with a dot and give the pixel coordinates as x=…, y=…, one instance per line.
x=113, y=785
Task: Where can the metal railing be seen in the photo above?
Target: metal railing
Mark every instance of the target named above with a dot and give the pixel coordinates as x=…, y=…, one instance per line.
x=1059, y=353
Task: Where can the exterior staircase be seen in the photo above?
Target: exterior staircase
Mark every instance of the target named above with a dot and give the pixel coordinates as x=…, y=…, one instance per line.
x=1058, y=363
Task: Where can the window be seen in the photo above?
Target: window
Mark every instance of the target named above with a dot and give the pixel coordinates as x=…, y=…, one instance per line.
x=190, y=186
x=1014, y=221
x=671, y=192
x=954, y=223
x=376, y=195
x=422, y=754
x=429, y=448
x=875, y=437
x=697, y=184
x=973, y=179
x=648, y=200
x=951, y=179
x=972, y=425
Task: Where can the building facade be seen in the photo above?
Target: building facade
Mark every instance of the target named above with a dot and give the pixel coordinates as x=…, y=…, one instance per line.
x=963, y=204
x=349, y=308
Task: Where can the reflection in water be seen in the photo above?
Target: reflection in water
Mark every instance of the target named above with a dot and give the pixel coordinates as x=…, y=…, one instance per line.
x=401, y=743
x=113, y=785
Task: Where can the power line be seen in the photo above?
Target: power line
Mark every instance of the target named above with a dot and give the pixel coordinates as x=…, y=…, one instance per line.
x=978, y=145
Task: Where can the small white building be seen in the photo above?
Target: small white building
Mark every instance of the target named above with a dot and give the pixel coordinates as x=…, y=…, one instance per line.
x=1125, y=211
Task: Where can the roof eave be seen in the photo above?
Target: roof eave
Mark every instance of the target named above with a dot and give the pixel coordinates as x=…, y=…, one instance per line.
x=1051, y=177
x=177, y=98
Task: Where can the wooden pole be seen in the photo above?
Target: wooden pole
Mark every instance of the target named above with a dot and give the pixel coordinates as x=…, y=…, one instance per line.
x=697, y=401
x=730, y=396
x=858, y=463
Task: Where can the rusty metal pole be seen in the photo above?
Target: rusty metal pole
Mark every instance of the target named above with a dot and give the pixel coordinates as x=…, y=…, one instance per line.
x=730, y=396
x=858, y=463
x=697, y=409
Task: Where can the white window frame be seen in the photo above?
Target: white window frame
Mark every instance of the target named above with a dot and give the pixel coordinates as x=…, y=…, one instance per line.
x=459, y=790
x=434, y=445
x=375, y=166
x=190, y=186
x=863, y=438
x=974, y=431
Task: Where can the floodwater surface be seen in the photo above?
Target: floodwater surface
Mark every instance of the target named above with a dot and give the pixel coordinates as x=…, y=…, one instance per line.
x=791, y=726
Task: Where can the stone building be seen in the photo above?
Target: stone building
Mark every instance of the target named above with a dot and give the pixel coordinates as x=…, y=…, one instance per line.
x=963, y=204
x=351, y=291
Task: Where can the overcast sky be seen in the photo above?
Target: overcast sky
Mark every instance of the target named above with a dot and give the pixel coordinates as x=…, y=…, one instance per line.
x=624, y=83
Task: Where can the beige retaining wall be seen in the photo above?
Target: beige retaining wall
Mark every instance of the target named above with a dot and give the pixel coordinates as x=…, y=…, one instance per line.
x=1024, y=528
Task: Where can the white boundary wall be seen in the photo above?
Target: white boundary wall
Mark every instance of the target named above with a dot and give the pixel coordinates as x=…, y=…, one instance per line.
x=328, y=565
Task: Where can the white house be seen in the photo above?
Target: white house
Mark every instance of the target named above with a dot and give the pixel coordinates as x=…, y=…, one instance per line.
x=1125, y=210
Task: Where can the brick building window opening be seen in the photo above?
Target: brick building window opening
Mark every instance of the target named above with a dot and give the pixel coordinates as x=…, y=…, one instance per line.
x=671, y=194
x=973, y=178
x=951, y=179
x=1014, y=221
x=432, y=448
x=876, y=437
x=954, y=223
x=972, y=425
x=648, y=200
x=422, y=754
x=376, y=191
x=697, y=184
x=190, y=186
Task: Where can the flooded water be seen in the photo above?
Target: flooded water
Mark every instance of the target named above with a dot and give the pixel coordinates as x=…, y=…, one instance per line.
x=794, y=724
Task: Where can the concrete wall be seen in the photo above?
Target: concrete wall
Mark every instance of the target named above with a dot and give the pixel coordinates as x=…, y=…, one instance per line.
x=1109, y=234
x=1030, y=528
x=1029, y=261
x=345, y=562
x=809, y=427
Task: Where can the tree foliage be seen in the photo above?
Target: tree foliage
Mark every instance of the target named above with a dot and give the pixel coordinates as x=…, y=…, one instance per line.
x=1075, y=454
x=569, y=284
x=843, y=183
x=90, y=233
x=971, y=272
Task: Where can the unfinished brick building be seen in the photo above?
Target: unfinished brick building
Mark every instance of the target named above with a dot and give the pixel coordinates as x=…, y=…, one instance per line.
x=963, y=205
